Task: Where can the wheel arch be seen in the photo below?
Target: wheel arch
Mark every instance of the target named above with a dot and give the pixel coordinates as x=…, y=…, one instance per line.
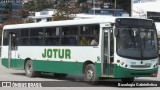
x=85, y=64
x=26, y=61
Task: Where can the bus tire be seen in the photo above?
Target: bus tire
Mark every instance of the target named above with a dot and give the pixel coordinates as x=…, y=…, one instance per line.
x=90, y=74
x=29, y=69
x=60, y=75
x=127, y=80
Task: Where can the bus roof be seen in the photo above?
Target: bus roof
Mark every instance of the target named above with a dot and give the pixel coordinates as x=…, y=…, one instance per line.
x=59, y=23
x=63, y=23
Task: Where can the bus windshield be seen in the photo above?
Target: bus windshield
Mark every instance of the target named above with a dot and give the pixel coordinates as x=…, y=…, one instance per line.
x=140, y=43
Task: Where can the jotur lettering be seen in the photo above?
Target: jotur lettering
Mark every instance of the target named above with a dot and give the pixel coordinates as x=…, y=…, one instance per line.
x=57, y=53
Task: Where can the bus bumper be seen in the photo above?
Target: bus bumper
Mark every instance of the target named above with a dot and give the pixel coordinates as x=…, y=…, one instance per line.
x=121, y=72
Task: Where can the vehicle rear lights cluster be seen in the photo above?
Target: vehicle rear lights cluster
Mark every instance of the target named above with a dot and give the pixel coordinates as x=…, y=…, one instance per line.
x=154, y=74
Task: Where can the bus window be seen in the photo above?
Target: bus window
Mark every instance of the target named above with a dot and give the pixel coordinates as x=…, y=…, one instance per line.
x=106, y=42
x=89, y=30
x=36, y=36
x=36, y=41
x=112, y=43
x=72, y=30
x=70, y=40
x=5, y=37
x=24, y=41
x=87, y=34
x=73, y=40
x=51, y=36
x=49, y=41
x=51, y=31
x=48, y=31
x=24, y=32
x=85, y=40
x=69, y=35
x=24, y=37
x=36, y=32
x=15, y=36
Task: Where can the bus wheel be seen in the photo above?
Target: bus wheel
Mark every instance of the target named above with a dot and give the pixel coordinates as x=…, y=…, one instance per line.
x=90, y=74
x=60, y=75
x=29, y=69
x=127, y=80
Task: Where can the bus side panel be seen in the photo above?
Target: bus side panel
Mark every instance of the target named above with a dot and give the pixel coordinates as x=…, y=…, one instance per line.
x=58, y=66
x=98, y=69
x=62, y=67
x=15, y=63
x=4, y=62
x=4, y=56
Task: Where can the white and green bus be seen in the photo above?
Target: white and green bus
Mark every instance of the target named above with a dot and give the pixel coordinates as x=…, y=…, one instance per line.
x=126, y=48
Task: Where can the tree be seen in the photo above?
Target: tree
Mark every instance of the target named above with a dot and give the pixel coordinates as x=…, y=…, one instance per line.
x=29, y=20
x=38, y=5
x=29, y=6
x=81, y=1
x=12, y=21
x=64, y=11
x=24, y=13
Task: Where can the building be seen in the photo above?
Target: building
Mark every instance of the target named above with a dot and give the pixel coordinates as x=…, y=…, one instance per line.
x=43, y=16
x=10, y=9
x=5, y=9
x=147, y=9
x=25, y=1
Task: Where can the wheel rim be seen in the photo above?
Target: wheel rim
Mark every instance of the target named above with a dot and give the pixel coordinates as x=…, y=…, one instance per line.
x=89, y=74
x=29, y=69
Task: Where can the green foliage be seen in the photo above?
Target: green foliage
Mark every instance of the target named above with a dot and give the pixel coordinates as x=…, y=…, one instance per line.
x=63, y=13
x=61, y=2
x=29, y=20
x=24, y=13
x=38, y=5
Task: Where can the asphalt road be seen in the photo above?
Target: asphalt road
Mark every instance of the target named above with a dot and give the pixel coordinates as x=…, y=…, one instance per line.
x=71, y=82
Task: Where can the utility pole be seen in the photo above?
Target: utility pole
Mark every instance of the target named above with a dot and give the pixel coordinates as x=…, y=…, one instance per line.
x=94, y=2
x=115, y=6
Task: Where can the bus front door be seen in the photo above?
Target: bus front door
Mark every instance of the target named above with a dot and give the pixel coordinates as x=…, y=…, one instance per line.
x=12, y=50
x=107, y=49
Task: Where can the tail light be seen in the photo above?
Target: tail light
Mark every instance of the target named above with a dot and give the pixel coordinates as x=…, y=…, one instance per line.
x=154, y=74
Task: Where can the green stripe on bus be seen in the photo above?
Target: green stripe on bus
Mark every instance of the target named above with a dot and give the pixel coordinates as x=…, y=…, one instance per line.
x=58, y=66
x=4, y=62
x=52, y=66
x=62, y=67
x=76, y=68
x=15, y=63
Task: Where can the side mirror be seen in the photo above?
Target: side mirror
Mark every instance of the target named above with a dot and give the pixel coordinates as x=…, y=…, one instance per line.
x=116, y=32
